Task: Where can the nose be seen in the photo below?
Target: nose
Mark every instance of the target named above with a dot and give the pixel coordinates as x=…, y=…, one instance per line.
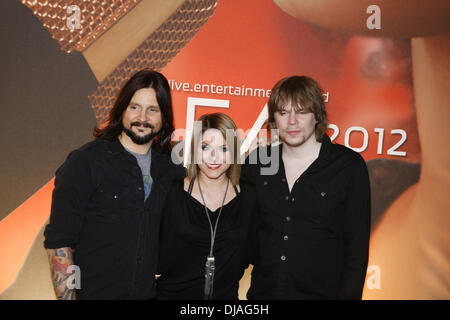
x=292, y=117
x=213, y=154
x=142, y=116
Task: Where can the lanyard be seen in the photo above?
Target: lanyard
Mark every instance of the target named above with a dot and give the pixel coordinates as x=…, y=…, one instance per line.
x=210, y=260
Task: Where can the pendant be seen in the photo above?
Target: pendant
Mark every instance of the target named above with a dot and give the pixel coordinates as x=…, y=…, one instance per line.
x=209, y=276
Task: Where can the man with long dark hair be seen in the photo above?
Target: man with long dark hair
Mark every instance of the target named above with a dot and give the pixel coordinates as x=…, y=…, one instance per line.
x=102, y=239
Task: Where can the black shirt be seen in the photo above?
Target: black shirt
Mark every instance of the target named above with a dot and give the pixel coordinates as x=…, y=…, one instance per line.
x=186, y=240
x=314, y=240
x=98, y=209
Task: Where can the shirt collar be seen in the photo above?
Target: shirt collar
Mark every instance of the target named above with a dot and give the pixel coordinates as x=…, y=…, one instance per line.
x=326, y=148
x=115, y=147
x=325, y=155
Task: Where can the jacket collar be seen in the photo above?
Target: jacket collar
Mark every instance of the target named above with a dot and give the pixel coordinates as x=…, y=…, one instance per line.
x=162, y=165
x=115, y=147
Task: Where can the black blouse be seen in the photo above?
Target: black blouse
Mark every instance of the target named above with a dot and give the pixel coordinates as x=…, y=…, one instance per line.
x=186, y=239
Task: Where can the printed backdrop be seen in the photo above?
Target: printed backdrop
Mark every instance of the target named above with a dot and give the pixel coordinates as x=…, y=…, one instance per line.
x=386, y=92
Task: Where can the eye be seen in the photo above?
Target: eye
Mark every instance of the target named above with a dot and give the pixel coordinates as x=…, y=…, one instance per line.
x=224, y=149
x=204, y=147
x=282, y=112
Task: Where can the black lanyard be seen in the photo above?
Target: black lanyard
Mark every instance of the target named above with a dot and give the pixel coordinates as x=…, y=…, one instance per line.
x=210, y=260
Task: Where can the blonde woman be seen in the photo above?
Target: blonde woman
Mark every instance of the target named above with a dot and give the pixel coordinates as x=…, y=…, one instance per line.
x=206, y=234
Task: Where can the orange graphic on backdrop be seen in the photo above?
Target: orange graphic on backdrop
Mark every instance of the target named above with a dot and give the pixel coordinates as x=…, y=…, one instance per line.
x=253, y=43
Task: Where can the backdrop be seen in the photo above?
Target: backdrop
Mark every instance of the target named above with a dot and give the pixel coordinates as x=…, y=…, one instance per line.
x=384, y=67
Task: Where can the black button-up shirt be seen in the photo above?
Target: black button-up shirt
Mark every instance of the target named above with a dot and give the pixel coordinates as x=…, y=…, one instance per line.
x=98, y=209
x=314, y=240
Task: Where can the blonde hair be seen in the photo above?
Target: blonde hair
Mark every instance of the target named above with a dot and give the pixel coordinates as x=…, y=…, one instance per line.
x=223, y=123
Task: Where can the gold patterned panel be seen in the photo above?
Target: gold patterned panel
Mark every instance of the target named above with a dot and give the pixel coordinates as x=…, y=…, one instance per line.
x=96, y=17
x=155, y=52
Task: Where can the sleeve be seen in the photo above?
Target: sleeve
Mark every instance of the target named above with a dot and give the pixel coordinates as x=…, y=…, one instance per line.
x=356, y=234
x=253, y=240
x=167, y=233
x=73, y=188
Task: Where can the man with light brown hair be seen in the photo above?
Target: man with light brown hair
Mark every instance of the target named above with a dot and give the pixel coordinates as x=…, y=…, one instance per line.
x=314, y=212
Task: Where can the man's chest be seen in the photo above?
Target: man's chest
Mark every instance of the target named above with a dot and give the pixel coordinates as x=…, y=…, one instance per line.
x=294, y=169
x=118, y=183
x=302, y=194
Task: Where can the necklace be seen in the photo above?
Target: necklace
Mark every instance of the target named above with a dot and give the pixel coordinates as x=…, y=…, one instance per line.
x=210, y=265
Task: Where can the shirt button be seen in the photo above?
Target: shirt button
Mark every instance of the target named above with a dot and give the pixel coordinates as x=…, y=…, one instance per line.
x=140, y=188
x=323, y=194
x=116, y=196
x=285, y=237
x=288, y=218
x=283, y=258
x=292, y=199
x=284, y=179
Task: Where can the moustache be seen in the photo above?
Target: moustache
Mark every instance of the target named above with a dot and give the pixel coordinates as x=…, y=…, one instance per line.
x=144, y=124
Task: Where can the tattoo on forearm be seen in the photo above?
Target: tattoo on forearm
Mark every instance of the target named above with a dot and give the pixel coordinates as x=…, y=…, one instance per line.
x=60, y=260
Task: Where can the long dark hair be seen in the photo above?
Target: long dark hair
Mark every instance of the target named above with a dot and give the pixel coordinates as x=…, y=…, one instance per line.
x=142, y=79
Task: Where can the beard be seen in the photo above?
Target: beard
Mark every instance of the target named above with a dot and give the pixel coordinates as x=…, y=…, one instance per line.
x=293, y=144
x=140, y=139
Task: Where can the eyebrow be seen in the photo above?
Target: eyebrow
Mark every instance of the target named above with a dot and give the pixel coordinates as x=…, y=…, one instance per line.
x=137, y=103
x=296, y=108
x=206, y=142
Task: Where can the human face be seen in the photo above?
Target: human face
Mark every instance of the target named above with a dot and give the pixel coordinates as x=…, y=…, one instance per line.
x=213, y=154
x=296, y=126
x=142, y=118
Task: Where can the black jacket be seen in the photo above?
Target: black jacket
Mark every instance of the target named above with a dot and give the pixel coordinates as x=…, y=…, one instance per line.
x=314, y=240
x=98, y=209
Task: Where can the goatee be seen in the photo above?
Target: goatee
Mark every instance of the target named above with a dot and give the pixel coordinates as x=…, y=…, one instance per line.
x=140, y=139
